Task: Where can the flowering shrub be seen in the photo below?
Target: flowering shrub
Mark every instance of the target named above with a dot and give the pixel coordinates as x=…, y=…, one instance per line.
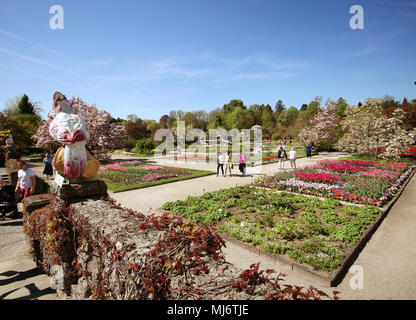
x=365, y=182
x=105, y=135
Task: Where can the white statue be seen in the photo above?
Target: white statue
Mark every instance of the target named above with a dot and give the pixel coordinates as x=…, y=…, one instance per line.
x=72, y=131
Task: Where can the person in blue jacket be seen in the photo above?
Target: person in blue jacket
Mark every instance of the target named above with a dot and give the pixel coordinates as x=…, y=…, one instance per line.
x=47, y=161
x=308, y=150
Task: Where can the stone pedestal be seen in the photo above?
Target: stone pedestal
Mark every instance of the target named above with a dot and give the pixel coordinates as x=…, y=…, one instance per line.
x=79, y=190
x=35, y=202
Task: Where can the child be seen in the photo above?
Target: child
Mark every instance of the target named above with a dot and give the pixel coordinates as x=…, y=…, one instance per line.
x=48, y=170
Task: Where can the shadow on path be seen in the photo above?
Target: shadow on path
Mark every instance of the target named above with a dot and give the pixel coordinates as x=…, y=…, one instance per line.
x=15, y=276
x=34, y=292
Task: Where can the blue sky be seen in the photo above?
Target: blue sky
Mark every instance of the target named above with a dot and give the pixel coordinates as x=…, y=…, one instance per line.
x=150, y=57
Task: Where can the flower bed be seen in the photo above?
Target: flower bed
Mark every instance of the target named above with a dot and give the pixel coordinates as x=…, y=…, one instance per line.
x=357, y=181
x=308, y=230
x=128, y=175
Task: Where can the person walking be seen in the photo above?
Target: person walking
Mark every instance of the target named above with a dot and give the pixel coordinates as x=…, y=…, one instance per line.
x=308, y=150
x=26, y=181
x=220, y=163
x=48, y=170
x=281, y=156
x=229, y=164
x=292, y=158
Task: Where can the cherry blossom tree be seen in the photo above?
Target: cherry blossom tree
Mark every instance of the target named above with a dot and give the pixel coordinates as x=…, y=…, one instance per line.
x=105, y=135
x=323, y=130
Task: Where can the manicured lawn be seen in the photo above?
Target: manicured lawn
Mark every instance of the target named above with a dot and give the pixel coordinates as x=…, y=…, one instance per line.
x=305, y=229
x=128, y=175
x=357, y=181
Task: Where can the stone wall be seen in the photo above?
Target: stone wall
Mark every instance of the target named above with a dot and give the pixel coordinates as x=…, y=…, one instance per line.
x=108, y=252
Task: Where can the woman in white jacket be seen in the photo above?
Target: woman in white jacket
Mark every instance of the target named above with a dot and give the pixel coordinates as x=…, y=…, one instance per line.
x=292, y=158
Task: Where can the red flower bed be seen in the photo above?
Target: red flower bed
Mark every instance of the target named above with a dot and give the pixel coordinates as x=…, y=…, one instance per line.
x=312, y=176
x=343, y=168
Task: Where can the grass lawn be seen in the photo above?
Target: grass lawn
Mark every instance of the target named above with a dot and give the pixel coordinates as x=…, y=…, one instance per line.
x=128, y=175
x=306, y=229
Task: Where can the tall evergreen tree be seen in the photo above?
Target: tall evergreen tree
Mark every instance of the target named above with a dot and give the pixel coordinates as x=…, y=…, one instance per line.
x=25, y=106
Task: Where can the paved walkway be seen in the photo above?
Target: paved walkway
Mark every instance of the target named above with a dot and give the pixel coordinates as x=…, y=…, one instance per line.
x=388, y=260
x=148, y=200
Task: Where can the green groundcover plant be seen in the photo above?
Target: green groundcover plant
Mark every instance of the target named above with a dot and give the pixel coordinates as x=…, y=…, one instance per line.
x=306, y=229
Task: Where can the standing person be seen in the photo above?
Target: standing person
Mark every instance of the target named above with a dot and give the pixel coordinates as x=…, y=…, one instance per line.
x=48, y=170
x=281, y=156
x=292, y=158
x=308, y=150
x=220, y=163
x=229, y=163
x=26, y=181
x=243, y=164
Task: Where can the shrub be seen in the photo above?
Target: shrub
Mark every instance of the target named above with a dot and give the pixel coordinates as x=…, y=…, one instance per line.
x=145, y=145
x=276, y=136
x=129, y=144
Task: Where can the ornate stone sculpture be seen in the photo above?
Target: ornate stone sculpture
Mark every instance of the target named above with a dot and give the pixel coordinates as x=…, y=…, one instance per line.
x=72, y=160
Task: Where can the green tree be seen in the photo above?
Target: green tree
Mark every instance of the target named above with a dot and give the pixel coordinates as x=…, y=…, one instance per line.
x=288, y=117
x=341, y=106
x=239, y=119
x=267, y=121
x=11, y=107
x=21, y=131
x=233, y=104
x=190, y=120
x=25, y=106
x=279, y=107
x=215, y=118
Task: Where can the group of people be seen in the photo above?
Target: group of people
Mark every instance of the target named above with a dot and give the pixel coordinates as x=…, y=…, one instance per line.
x=282, y=156
x=285, y=140
x=228, y=161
